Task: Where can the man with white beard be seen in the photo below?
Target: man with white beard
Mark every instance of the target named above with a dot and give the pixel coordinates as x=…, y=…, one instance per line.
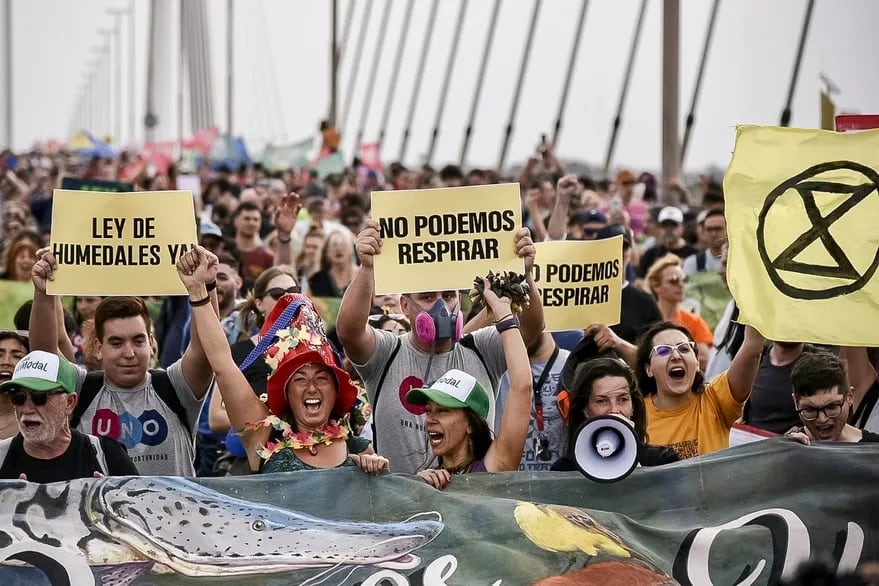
x=43, y=393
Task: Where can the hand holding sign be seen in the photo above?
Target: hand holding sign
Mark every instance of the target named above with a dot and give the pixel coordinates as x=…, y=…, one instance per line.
x=369, y=243
x=525, y=248
x=44, y=269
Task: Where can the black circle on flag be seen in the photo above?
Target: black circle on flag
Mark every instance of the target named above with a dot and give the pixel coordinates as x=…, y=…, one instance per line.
x=807, y=184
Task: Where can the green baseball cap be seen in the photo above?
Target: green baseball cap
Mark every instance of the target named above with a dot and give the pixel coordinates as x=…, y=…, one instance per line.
x=455, y=389
x=41, y=372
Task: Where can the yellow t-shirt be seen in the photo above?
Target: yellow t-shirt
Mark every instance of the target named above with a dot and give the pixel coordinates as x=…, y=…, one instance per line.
x=699, y=427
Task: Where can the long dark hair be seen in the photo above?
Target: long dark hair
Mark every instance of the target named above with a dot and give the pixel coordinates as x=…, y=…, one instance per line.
x=647, y=384
x=480, y=436
x=589, y=372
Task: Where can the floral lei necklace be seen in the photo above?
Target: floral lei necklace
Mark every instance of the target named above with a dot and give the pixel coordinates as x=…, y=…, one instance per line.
x=326, y=435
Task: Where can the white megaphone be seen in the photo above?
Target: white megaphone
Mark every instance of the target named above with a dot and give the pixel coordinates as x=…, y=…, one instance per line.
x=606, y=448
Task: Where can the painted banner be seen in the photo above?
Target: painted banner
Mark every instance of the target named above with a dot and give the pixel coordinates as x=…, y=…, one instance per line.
x=581, y=282
x=803, y=242
x=120, y=244
x=441, y=239
x=78, y=184
x=726, y=518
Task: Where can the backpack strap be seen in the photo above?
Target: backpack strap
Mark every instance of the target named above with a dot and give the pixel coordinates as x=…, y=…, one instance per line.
x=469, y=342
x=378, y=389
x=701, y=261
x=163, y=387
x=99, y=452
x=91, y=386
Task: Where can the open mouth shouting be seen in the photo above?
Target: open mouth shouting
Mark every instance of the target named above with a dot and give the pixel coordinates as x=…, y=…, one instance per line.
x=312, y=406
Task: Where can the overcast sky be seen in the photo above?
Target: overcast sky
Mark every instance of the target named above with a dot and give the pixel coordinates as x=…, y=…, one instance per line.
x=282, y=65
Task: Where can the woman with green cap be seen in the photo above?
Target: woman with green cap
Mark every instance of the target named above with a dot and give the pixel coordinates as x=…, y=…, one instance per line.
x=457, y=411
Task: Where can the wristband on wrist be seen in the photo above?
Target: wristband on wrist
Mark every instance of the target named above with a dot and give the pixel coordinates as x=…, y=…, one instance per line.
x=210, y=286
x=508, y=324
x=200, y=302
x=500, y=319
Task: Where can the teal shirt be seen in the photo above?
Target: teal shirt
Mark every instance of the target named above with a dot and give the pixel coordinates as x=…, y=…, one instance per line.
x=288, y=461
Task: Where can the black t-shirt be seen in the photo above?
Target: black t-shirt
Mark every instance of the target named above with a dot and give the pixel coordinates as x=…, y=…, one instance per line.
x=638, y=311
x=657, y=252
x=79, y=461
x=869, y=437
x=771, y=405
x=257, y=373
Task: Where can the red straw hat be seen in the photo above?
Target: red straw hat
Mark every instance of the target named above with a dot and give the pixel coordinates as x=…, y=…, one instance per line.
x=299, y=338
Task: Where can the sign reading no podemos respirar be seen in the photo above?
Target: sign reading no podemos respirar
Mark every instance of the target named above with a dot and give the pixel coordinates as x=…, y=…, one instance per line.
x=120, y=243
x=581, y=282
x=441, y=239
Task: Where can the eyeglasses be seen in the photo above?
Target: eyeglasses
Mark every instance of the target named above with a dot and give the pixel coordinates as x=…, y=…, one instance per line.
x=663, y=350
x=277, y=292
x=830, y=411
x=19, y=398
x=677, y=280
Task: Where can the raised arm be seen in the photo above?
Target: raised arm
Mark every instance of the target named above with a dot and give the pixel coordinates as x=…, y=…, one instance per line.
x=567, y=188
x=355, y=334
x=43, y=329
x=65, y=346
x=506, y=450
x=861, y=374
x=242, y=405
x=195, y=365
x=532, y=325
x=285, y=220
x=743, y=370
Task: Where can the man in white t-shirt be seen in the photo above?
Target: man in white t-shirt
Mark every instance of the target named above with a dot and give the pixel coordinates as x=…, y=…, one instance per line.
x=153, y=413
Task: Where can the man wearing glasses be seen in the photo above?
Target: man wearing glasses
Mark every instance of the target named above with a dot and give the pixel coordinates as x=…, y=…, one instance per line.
x=43, y=393
x=823, y=400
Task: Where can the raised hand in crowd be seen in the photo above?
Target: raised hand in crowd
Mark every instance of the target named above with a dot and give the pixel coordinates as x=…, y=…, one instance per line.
x=568, y=189
x=284, y=219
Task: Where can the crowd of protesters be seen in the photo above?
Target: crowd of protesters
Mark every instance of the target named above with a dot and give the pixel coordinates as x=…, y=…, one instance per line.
x=183, y=386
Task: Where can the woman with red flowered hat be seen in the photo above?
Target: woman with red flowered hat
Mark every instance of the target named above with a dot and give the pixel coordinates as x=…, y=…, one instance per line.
x=303, y=424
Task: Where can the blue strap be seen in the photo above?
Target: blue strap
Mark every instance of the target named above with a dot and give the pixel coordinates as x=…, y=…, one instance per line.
x=283, y=321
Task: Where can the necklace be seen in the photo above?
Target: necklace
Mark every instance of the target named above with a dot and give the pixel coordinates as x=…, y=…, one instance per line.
x=326, y=434
x=461, y=469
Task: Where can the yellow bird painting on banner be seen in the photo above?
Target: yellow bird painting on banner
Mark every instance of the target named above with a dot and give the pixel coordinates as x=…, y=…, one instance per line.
x=802, y=210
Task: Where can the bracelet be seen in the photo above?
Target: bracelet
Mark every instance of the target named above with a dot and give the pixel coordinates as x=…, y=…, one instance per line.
x=283, y=241
x=499, y=320
x=507, y=324
x=200, y=302
x=210, y=286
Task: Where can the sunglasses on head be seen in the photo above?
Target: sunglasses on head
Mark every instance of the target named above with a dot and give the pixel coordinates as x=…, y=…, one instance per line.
x=677, y=280
x=19, y=398
x=277, y=292
x=663, y=350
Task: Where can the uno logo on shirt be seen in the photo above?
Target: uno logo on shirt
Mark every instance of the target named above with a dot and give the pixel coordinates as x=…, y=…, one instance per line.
x=149, y=429
x=411, y=382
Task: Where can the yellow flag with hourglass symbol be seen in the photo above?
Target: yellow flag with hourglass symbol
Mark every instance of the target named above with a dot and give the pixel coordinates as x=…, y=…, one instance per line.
x=801, y=209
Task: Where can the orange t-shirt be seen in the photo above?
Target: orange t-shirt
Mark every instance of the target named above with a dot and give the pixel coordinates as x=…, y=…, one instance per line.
x=699, y=427
x=698, y=327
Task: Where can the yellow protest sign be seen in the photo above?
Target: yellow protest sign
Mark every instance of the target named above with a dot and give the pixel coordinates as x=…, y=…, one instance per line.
x=441, y=239
x=120, y=243
x=581, y=282
x=803, y=243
